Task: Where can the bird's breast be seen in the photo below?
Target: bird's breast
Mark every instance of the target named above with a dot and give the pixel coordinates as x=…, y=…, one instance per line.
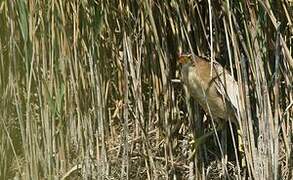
x=193, y=82
x=203, y=90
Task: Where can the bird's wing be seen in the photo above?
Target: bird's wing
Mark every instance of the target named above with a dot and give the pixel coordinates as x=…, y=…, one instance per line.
x=226, y=85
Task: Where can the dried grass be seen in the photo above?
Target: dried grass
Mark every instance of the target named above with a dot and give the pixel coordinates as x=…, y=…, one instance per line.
x=87, y=92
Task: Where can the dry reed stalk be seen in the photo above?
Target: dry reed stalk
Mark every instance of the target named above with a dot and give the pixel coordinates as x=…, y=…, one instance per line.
x=88, y=84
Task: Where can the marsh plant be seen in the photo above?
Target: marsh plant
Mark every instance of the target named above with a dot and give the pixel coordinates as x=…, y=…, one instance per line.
x=89, y=90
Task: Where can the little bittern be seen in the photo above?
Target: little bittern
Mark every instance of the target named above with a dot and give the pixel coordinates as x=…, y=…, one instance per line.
x=216, y=91
x=213, y=87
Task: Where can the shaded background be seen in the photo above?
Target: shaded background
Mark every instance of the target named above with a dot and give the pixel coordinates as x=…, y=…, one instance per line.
x=86, y=88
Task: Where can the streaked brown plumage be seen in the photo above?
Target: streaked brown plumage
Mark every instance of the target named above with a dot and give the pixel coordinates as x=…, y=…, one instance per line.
x=216, y=94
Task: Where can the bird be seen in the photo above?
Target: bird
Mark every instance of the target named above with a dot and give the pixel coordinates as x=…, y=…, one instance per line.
x=213, y=88
x=216, y=91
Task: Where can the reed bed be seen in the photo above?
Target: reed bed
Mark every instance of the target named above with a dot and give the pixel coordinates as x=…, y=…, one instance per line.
x=87, y=88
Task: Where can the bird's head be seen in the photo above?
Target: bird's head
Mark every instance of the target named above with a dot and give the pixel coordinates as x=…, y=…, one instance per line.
x=185, y=58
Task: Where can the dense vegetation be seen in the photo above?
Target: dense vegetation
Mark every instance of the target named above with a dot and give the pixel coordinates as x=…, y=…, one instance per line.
x=87, y=87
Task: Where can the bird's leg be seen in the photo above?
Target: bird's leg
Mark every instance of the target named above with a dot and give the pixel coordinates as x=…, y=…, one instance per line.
x=240, y=145
x=224, y=156
x=241, y=148
x=200, y=140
